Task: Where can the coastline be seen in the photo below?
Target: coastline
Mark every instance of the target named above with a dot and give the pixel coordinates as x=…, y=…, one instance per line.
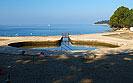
x=72, y=66
x=101, y=24
x=99, y=37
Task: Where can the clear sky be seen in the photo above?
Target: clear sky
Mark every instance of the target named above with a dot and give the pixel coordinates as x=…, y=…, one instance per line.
x=58, y=11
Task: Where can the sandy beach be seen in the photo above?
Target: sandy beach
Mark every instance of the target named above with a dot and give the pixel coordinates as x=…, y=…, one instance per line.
x=67, y=69
x=112, y=65
x=66, y=41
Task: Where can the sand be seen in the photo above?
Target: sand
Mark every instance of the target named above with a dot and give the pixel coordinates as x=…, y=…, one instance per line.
x=126, y=44
x=126, y=35
x=67, y=69
x=113, y=65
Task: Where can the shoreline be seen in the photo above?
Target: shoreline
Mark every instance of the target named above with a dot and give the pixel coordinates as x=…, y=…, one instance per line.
x=101, y=24
x=99, y=37
x=68, y=66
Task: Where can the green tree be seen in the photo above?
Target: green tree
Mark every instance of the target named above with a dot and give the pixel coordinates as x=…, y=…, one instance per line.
x=129, y=19
x=102, y=22
x=119, y=17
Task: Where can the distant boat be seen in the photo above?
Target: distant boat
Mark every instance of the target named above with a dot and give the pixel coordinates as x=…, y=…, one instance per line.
x=49, y=25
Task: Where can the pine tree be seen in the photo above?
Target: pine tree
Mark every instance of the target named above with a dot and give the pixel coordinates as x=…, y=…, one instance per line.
x=129, y=19
x=119, y=17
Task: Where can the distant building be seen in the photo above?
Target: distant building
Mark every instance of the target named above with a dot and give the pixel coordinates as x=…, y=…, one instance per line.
x=131, y=29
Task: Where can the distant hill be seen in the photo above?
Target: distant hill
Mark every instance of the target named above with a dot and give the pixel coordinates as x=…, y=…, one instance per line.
x=102, y=22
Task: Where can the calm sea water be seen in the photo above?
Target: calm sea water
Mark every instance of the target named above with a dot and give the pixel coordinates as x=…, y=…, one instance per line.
x=54, y=29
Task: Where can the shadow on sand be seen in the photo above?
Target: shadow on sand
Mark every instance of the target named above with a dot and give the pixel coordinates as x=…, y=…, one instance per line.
x=68, y=69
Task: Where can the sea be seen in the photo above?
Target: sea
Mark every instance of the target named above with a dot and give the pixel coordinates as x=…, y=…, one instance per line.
x=53, y=30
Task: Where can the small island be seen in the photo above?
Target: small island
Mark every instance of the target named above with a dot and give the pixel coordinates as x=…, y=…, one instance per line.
x=103, y=22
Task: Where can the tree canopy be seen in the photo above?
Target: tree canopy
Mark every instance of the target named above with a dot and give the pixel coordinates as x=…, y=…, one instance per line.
x=122, y=17
x=102, y=22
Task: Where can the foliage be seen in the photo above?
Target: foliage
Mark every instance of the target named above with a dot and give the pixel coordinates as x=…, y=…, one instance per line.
x=102, y=22
x=122, y=17
x=129, y=19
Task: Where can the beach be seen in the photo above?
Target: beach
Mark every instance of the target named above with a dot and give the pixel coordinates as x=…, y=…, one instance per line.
x=67, y=69
x=121, y=39
x=112, y=65
x=66, y=41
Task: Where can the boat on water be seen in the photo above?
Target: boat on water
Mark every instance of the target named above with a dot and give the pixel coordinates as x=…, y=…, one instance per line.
x=49, y=25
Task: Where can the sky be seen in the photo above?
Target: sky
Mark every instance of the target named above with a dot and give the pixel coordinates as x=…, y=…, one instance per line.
x=19, y=12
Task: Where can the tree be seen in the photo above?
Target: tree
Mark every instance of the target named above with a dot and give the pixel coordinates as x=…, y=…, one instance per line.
x=119, y=17
x=129, y=19
x=102, y=22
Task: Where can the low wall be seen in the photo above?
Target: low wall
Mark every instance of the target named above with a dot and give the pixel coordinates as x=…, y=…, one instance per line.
x=89, y=42
x=35, y=43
